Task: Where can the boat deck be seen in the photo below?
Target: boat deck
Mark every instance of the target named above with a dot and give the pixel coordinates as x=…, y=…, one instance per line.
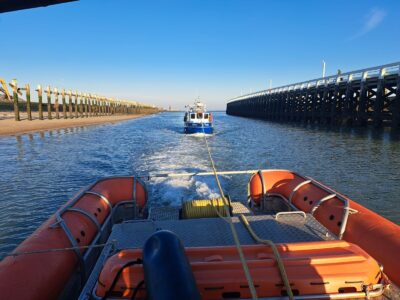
x=216, y=232
x=286, y=228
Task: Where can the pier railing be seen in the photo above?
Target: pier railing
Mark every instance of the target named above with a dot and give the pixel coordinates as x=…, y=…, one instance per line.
x=66, y=104
x=359, y=97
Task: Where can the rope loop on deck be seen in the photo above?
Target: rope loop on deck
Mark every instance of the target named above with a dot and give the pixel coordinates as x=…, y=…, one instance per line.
x=278, y=258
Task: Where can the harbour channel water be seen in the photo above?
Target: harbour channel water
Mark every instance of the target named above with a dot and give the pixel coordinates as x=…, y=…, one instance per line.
x=40, y=171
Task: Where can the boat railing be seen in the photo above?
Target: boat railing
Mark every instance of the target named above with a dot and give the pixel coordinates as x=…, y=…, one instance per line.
x=363, y=75
x=102, y=229
x=165, y=175
x=346, y=208
x=297, y=188
x=290, y=213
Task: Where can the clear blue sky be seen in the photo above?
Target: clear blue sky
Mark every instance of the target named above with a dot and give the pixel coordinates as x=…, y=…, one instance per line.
x=167, y=52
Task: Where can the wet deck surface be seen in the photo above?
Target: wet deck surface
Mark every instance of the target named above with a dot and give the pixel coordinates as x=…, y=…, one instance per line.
x=216, y=232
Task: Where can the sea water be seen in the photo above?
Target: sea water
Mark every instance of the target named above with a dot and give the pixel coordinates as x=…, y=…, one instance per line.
x=40, y=171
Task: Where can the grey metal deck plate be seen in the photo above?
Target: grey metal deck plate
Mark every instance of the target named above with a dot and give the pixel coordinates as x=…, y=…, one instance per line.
x=240, y=208
x=216, y=231
x=164, y=213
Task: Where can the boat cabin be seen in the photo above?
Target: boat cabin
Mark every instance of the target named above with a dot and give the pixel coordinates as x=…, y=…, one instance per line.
x=196, y=117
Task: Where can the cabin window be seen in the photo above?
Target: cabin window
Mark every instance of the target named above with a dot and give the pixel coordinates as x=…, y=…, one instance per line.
x=206, y=116
x=199, y=115
x=193, y=116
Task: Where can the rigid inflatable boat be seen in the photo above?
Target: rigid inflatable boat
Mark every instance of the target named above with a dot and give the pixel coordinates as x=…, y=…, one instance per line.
x=297, y=238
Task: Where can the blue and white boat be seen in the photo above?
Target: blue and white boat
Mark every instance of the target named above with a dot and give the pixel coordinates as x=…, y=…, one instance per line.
x=197, y=119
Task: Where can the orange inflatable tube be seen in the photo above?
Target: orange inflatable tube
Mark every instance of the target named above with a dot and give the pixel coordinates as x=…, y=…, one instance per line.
x=45, y=275
x=376, y=235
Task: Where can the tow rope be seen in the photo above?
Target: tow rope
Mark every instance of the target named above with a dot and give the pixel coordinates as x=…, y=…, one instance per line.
x=229, y=220
x=278, y=258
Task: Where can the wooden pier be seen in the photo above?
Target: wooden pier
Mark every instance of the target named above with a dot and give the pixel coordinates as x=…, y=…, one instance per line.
x=85, y=104
x=359, y=98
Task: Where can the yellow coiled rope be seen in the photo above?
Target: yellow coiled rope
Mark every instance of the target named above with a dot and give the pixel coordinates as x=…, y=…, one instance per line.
x=278, y=258
x=203, y=209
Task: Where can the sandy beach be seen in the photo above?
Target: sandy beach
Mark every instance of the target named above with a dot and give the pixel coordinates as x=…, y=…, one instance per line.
x=8, y=126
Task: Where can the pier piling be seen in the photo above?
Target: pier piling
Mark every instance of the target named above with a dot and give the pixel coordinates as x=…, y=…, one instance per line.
x=80, y=105
x=90, y=103
x=70, y=104
x=56, y=104
x=48, y=92
x=40, y=101
x=28, y=101
x=362, y=97
x=84, y=105
x=76, y=105
x=396, y=104
x=64, y=104
x=14, y=86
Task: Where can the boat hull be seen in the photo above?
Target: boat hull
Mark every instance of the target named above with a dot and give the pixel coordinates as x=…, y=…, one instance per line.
x=192, y=129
